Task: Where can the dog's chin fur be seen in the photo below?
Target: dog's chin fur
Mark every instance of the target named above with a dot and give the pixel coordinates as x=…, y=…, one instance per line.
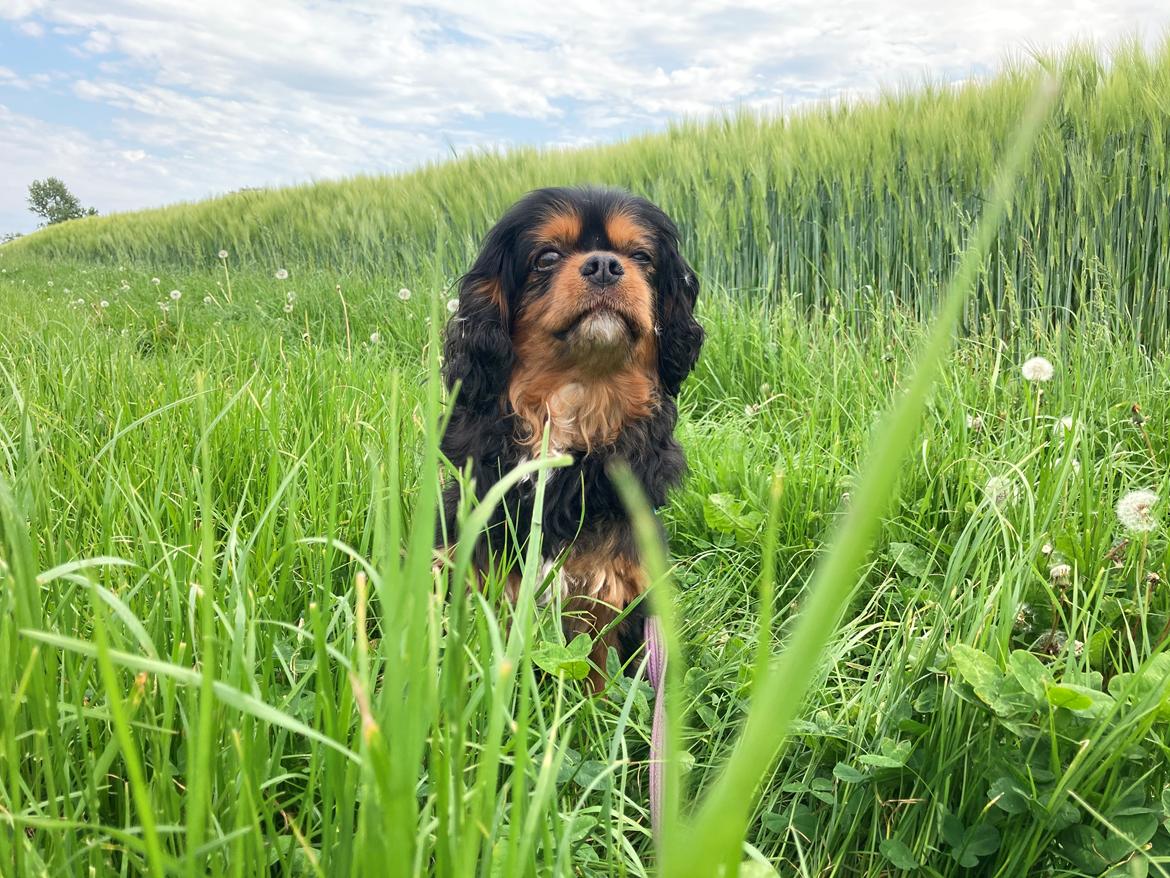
x=603, y=388
x=601, y=342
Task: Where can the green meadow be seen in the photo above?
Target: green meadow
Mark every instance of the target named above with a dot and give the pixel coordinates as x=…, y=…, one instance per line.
x=223, y=650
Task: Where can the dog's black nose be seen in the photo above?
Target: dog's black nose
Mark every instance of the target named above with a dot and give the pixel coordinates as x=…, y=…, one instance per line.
x=602, y=269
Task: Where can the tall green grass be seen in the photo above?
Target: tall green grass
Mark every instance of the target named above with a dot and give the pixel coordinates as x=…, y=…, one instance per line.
x=846, y=205
x=225, y=650
x=212, y=468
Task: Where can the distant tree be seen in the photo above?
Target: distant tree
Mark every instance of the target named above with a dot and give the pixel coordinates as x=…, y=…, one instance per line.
x=51, y=200
x=9, y=236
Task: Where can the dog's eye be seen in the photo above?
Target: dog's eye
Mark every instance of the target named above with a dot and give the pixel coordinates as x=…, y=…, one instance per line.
x=547, y=260
x=640, y=256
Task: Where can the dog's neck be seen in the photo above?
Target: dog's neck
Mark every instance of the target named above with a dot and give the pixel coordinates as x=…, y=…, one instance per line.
x=584, y=410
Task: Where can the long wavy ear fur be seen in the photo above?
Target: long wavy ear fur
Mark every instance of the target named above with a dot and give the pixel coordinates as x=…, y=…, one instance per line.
x=477, y=348
x=680, y=336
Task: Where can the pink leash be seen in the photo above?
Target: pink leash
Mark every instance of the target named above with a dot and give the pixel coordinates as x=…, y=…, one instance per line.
x=655, y=672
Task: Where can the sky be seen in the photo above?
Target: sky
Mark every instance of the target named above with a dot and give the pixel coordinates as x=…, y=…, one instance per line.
x=140, y=103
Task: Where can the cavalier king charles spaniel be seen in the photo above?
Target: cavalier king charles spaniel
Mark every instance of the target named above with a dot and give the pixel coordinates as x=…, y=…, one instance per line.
x=578, y=315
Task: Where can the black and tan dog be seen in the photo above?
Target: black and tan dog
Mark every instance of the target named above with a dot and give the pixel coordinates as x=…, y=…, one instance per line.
x=578, y=313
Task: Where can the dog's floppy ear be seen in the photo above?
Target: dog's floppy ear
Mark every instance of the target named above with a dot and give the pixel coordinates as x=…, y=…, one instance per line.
x=477, y=347
x=679, y=335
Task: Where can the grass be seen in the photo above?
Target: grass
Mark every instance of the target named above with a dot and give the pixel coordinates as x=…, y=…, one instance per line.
x=224, y=653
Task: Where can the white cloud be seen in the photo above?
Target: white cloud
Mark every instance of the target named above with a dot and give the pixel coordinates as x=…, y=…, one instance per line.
x=217, y=94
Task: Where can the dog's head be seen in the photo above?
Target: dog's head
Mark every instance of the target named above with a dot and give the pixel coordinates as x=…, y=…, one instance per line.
x=584, y=279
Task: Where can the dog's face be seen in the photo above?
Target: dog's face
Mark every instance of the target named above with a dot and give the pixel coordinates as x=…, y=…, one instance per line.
x=588, y=300
x=586, y=282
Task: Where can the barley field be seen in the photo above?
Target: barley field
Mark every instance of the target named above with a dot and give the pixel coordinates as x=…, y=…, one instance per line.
x=917, y=593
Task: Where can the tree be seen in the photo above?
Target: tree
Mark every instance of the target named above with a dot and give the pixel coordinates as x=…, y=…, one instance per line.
x=51, y=199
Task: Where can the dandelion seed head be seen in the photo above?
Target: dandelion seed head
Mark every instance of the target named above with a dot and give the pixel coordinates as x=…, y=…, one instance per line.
x=1064, y=425
x=281, y=274
x=207, y=300
x=452, y=305
x=1037, y=369
x=1000, y=490
x=1060, y=573
x=1050, y=642
x=155, y=281
x=975, y=423
x=1134, y=511
x=404, y=294
x=222, y=254
x=49, y=282
x=288, y=306
x=175, y=295
x=375, y=338
x=1046, y=549
x=103, y=304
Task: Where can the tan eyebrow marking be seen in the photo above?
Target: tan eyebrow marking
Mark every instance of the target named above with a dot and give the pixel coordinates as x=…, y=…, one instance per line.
x=626, y=233
x=561, y=227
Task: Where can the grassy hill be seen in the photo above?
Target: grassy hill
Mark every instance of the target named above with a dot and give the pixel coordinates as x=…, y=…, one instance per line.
x=850, y=203
x=222, y=650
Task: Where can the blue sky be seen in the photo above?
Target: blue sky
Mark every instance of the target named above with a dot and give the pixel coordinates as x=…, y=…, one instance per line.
x=138, y=103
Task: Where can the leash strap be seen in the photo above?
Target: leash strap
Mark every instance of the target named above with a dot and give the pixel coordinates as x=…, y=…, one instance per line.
x=656, y=673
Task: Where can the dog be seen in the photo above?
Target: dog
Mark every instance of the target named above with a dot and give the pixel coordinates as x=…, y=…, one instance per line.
x=577, y=316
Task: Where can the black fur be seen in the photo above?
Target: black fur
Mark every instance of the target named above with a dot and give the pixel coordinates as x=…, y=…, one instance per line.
x=478, y=358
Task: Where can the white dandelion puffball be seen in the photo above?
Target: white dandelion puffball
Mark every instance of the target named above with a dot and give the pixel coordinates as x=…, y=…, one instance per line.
x=175, y=295
x=222, y=254
x=1000, y=490
x=975, y=423
x=291, y=295
x=49, y=282
x=207, y=300
x=452, y=305
x=164, y=306
x=1037, y=369
x=375, y=338
x=404, y=294
x=281, y=274
x=288, y=306
x=155, y=281
x=1133, y=511
x=103, y=304
x=1060, y=573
